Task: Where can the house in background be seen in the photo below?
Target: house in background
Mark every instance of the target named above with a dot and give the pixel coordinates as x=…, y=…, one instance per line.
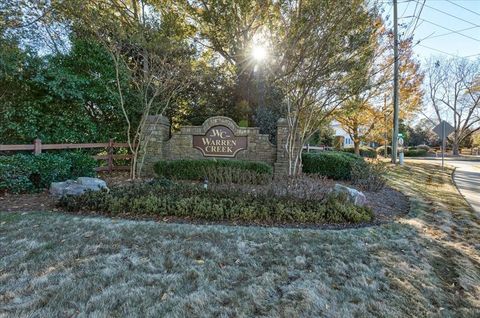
x=347, y=140
x=340, y=132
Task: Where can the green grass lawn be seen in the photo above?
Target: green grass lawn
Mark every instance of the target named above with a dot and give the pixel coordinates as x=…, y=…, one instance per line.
x=426, y=264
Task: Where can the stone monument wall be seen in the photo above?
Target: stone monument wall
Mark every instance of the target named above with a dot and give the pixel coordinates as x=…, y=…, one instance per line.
x=218, y=137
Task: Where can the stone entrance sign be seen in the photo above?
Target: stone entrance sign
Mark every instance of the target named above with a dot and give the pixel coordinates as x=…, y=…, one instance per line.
x=219, y=141
x=217, y=137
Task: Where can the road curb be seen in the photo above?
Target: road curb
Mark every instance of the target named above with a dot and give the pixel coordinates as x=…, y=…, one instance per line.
x=458, y=190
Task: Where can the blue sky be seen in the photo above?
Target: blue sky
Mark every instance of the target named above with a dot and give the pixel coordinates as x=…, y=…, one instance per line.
x=433, y=26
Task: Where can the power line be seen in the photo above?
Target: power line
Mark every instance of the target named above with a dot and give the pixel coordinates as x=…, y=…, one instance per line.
x=478, y=54
x=414, y=16
x=418, y=17
x=425, y=38
x=456, y=31
x=390, y=2
x=440, y=51
x=450, y=15
x=416, y=25
x=453, y=31
x=450, y=30
x=456, y=4
x=406, y=8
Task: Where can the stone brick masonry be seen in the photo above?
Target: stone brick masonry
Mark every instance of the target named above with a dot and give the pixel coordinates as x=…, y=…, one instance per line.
x=161, y=146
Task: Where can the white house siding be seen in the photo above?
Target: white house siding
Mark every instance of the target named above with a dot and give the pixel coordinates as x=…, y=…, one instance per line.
x=339, y=131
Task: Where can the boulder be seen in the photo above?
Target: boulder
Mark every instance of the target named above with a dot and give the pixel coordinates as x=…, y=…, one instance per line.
x=92, y=182
x=353, y=195
x=76, y=187
x=57, y=188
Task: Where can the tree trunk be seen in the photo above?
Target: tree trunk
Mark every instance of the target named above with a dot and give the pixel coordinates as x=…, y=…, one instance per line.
x=243, y=100
x=294, y=150
x=356, y=140
x=455, y=148
x=295, y=164
x=356, y=147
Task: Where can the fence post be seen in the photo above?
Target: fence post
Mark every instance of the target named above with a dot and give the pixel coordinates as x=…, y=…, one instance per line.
x=110, y=156
x=37, y=146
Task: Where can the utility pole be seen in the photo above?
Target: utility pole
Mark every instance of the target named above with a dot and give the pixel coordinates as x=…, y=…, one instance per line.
x=395, y=83
x=386, y=125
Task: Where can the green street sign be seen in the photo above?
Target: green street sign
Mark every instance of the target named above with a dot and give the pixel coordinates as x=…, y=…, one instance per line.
x=400, y=135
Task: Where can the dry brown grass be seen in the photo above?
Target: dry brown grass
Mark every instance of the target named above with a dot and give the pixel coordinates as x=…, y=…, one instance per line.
x=424, y=265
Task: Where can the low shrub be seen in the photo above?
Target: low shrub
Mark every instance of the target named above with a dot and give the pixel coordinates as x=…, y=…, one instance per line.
x=26, y=173
x=45, y=169
x=81, y=165
x=381, y=151
x=308, y=187
x=418, y=151
x=332, y=164
x=229, y=175
x=15, y=174
x=230, y=170
x=192, y=201
x=369, y=176
x=424, y=147
x=415, y=153
x=365, y=152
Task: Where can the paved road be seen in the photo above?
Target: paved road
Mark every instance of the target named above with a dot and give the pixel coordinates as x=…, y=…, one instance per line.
x=467, y=179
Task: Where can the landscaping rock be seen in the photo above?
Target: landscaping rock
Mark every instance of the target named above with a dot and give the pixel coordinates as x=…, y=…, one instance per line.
x=353, y=195
x=92, y=182
x=57, y=188
x=77, y=187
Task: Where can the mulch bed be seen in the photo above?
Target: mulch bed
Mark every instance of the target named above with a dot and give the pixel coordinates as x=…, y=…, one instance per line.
x=42, y=201
x=27, y=202
x=387, y=205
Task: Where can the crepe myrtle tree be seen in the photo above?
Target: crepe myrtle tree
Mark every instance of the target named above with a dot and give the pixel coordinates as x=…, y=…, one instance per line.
x=318, y=44
x=157, y=89
x=454, y=94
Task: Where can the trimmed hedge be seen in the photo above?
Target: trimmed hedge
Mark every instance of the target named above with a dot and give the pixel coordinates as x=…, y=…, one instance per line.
x=26, y=173
x=415, y=153
x=332, y=164
x=162, y=198
x=365, y=152
x=187, y=169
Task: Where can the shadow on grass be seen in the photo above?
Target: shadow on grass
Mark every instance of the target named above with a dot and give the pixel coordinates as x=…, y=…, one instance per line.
x=426, y=264
x=448, y=229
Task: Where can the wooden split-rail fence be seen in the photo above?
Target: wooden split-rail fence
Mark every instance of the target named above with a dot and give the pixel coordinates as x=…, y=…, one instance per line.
x=37, y=147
